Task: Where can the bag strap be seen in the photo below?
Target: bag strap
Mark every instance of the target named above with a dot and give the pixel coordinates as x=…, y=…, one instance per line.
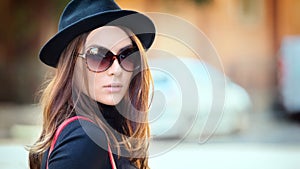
x=60, y=129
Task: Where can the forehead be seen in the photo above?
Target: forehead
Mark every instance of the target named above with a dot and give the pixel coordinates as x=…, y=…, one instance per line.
x=110, y=37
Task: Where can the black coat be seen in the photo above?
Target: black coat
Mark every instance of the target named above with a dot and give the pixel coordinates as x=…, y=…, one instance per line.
x=75, y=149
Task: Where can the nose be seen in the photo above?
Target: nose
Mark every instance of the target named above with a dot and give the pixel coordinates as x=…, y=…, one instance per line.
x=115, y=68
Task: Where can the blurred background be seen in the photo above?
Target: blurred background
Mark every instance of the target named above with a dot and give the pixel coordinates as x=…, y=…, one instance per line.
x=258, y=42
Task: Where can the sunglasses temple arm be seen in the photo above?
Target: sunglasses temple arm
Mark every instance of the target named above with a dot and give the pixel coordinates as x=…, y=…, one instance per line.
x=81, y=55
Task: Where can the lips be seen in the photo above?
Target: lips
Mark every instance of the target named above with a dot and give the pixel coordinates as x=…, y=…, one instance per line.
x=113, y=87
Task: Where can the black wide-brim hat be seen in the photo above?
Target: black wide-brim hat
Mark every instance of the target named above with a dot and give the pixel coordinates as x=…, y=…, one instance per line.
x=82, y=16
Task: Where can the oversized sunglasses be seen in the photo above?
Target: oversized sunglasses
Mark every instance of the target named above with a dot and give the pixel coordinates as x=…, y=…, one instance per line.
x=99, y=59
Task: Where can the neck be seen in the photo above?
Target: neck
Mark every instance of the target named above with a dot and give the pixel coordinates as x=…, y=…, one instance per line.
x=112, y=116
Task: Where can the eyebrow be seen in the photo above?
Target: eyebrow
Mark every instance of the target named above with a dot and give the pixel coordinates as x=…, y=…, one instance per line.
x=102, y=47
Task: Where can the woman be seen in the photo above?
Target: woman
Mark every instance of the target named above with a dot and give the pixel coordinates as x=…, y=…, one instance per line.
x=101, y=75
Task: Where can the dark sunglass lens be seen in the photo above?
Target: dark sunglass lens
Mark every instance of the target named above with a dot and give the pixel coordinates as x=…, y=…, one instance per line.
x=97, y=61
x=131, y=60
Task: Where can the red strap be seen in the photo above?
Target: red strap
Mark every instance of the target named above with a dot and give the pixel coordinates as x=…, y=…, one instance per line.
x=63, y=125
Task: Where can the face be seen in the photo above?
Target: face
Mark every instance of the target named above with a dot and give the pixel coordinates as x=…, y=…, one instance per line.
x=111, y=85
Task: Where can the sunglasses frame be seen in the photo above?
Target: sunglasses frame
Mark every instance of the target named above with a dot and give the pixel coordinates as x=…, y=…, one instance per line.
x=115, y=56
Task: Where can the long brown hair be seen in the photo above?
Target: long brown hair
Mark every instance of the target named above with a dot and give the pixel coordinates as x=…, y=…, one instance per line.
x=58, y=105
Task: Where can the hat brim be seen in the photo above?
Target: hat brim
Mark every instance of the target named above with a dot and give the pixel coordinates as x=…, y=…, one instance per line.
x=138, y=23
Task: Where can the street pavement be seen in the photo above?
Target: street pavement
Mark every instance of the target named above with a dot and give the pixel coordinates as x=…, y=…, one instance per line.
x=229, y=156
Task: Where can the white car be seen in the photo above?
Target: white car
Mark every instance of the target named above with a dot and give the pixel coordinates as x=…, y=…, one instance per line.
x=193, y=99
x=289, y=74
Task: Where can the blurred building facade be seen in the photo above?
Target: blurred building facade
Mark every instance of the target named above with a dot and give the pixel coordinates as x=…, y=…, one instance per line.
x=246, y=34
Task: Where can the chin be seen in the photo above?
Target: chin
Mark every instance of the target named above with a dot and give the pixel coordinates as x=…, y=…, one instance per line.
x=110, y=101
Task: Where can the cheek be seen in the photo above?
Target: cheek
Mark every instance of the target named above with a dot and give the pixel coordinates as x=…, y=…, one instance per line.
x=127, y=79
x=95, y=82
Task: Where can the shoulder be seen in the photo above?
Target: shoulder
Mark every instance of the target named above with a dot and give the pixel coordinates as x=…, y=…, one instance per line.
x=82, y=144
x=82, y=129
